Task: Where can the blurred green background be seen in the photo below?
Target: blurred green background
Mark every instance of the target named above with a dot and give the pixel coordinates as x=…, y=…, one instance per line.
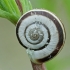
x=13, y=56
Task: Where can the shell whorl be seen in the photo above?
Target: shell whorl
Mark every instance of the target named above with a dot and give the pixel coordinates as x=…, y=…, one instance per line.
x=41, y=33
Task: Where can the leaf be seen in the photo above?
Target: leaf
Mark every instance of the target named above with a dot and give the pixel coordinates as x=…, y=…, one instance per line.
x=9, y=9
x=26, y=5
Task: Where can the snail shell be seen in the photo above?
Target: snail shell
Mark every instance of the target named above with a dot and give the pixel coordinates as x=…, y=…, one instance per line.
x=41, y=33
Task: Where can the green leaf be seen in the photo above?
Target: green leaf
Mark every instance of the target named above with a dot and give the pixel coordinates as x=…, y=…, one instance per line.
x=8, y=16
x=26, y=5
x=9, y=9
x=15, y=7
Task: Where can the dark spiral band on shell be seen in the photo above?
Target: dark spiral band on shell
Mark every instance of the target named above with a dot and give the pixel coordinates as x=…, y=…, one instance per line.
x=39, y=42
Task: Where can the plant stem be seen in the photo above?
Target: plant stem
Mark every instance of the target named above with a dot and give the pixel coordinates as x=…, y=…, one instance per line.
x=28, y=7
x=19, y=5
x=38, y=66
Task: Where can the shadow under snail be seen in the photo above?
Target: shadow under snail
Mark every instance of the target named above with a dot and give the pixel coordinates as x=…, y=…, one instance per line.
x=41, y=33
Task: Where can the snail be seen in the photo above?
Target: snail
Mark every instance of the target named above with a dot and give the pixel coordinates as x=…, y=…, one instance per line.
x=41, y=33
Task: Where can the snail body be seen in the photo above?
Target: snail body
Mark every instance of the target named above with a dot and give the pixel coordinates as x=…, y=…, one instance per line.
x=41, y=33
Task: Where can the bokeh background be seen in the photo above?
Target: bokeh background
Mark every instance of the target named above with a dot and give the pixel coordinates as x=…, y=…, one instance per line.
x=13, y=56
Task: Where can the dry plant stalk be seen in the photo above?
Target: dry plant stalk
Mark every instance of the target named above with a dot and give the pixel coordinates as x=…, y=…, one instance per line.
x=38, y=66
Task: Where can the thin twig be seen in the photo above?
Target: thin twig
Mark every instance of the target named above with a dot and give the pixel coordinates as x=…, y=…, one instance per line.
x=19, y=5
x=38, y=66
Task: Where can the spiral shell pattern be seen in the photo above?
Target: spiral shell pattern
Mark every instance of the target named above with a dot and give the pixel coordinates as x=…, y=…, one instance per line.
x=41, y=33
